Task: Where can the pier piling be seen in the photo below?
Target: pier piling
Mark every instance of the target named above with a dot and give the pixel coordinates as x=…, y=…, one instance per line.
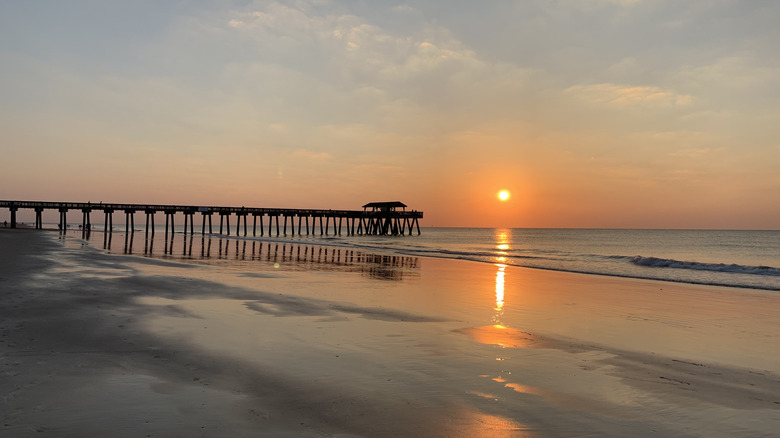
x=129, y=220
x=108, y=220
x=38, y=218
x=63, y=219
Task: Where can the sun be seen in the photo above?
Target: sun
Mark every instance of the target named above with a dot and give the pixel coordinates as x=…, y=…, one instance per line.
x=503, y=195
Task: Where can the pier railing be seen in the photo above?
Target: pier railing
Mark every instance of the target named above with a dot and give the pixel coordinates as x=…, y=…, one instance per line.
x=353, y=222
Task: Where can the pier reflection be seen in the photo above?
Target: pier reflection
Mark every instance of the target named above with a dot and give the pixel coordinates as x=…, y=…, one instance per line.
x=278, y=255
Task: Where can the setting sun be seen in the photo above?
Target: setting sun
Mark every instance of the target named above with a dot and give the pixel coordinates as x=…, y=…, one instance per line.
x=503, y=195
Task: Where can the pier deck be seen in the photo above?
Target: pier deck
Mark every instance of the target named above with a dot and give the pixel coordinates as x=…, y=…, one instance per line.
x=383, y=218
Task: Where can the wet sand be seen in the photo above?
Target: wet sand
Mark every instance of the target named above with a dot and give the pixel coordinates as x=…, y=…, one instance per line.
x=343, y=344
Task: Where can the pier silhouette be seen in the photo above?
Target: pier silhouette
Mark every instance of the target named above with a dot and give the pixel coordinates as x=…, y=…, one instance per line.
x=376, y=218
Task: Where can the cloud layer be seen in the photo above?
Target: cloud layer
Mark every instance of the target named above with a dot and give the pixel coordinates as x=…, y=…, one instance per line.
x=598, y=113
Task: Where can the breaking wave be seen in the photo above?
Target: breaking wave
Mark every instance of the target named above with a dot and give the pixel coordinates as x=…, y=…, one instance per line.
x=655, y=262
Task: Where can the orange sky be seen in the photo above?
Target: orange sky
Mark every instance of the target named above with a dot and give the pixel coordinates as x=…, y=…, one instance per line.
x=603, y=113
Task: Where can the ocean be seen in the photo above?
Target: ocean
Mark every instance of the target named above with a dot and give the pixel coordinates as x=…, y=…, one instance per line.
x=746, y=259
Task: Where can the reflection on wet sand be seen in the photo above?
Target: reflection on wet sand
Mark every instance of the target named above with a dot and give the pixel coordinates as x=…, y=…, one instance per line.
x=497, y=333
x=280, y=254
x=501, y=335
x=499, y=294
x=481, y=425
x=503, y=237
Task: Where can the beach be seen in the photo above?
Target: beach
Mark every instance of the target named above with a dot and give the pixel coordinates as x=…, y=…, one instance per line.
x=346, y=344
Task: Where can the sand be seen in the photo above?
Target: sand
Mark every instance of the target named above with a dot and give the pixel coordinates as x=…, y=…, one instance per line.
x=344, y=345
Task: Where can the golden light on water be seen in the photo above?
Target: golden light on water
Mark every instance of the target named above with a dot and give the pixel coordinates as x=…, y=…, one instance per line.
x=503, y=237
x=500, y=289
x=501, y=335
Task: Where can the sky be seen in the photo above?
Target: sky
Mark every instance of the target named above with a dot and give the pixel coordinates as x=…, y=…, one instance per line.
x=591, y=113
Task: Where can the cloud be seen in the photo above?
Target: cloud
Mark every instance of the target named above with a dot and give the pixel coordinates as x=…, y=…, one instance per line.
x=310, y=155
x=346, y=47
x=621, y=95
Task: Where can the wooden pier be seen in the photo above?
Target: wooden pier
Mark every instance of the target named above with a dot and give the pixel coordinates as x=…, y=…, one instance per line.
x=376, y=218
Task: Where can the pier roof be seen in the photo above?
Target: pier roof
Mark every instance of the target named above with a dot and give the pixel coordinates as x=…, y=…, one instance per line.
x=391, y=204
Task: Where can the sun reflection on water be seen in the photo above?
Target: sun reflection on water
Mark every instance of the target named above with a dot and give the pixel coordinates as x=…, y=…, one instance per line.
x=499, y=294
x=503, y=240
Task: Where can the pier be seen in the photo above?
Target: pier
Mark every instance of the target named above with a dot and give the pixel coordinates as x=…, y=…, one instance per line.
x=375, y=218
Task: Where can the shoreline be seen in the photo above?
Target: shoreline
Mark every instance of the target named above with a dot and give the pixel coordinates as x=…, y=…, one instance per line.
x=157, y=241
x=166, y=347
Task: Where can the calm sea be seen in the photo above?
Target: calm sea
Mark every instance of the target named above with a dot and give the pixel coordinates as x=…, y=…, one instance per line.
x=749, y=259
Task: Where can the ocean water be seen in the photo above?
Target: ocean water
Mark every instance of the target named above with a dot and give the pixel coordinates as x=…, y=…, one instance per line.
x=748, y=259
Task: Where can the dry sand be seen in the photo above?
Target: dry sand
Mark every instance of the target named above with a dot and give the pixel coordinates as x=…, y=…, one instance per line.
x=94, y=344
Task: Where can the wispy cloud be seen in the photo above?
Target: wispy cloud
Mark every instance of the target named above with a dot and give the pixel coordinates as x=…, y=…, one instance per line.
x=620, y=95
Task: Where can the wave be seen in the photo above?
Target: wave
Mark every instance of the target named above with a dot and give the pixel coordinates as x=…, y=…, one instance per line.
x=655, y=262
x=728, y=275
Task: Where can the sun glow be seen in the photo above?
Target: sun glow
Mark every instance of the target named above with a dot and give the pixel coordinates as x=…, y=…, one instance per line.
x=503, y=195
